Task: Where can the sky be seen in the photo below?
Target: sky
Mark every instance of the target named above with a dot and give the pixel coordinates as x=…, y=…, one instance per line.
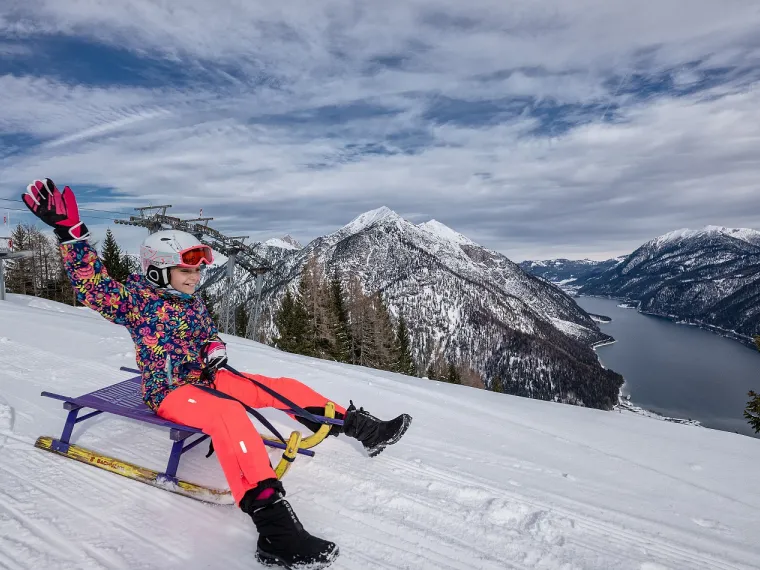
x=543, y=129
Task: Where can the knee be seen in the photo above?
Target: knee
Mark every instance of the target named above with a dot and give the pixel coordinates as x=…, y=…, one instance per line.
x=227, y=412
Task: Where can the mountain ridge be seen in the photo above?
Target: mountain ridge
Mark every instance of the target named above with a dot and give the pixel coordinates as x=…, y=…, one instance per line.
x=462, y=302
x=708, y=277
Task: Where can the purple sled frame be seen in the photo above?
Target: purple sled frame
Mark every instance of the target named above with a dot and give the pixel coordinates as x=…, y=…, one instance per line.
x=125, y=399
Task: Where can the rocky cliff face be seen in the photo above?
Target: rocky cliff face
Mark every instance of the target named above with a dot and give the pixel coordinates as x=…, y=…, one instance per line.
x=461, y=301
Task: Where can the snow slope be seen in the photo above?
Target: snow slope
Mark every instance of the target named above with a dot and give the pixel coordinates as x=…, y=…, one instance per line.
x=480, y=481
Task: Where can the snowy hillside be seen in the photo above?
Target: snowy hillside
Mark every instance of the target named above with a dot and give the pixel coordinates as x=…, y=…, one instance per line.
x=481, y=481
x=569, y=274
x=461, y=301
x=709, y=276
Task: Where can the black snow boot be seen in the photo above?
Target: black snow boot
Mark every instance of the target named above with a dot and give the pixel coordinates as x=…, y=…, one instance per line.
x=282, y=540
x=374, y=434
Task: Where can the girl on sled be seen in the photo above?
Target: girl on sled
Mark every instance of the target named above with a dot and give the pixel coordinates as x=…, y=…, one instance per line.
x=180, y=355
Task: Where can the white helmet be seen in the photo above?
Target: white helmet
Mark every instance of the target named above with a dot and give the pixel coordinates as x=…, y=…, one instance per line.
x=171, y=248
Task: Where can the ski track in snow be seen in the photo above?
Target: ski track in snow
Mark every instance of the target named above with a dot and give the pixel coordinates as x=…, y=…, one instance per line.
x=480, y=481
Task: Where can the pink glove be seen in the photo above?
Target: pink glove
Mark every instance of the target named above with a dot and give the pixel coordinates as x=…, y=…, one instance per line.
x=56, y=209
x=215, y=355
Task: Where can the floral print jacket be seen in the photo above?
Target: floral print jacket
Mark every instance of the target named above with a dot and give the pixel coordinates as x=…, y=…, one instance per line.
x=169, y=328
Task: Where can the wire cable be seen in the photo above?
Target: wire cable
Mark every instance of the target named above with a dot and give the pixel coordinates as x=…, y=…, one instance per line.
x=85, y=209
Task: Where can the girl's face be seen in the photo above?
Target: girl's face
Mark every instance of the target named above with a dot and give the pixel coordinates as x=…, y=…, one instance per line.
x=185, y=279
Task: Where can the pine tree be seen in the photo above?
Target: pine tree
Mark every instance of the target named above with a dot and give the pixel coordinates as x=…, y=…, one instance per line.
x=210, y=307
x=282, y=320
x=301, y=328
x=242, y=314
x=404, y=360
x=341, y=328
x=752, y=411
x=291, y=320
x=113, y=258
x=452, y=375
x=306, y=304
x=497, y=385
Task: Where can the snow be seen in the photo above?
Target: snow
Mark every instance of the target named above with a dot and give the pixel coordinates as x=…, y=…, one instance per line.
x=445, y=232
x=481, y=481
x=281, y=243
x=366, y=219
x=570, y=328
x=744, y=234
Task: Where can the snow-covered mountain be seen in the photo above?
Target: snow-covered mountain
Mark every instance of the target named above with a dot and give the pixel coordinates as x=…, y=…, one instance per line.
x=709, y=276
x=569, y=274
x=275, y=249
x=463, y=301
x=481, y=481
x=285, y=242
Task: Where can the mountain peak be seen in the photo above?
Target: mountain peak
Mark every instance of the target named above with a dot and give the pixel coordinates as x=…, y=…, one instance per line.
x=744, y=234
x=286, y=242
x=442, y=230
x=366, y=219
x=292, y=241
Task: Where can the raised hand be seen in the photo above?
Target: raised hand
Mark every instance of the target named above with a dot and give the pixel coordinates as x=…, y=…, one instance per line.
x=56, y=209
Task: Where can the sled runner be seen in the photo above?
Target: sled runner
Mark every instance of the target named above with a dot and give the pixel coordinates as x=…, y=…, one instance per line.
x=124, y=399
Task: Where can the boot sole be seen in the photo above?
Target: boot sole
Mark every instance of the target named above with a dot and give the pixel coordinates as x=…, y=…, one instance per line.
x=373, y=452
x=272, y=560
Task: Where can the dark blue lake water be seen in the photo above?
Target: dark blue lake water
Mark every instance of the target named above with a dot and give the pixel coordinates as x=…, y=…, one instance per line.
x=678, y=370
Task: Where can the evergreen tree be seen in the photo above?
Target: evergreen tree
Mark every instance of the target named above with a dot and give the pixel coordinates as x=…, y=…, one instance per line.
x=752, y=411
x=301, y=328
x=341, y=328
x=452, y=375
x=306, y=305
x=404, y=360
x=282, y=320
x=497, y=385
x=210, y=307
x=113, y=258
x=242, y=314
x=291, y=320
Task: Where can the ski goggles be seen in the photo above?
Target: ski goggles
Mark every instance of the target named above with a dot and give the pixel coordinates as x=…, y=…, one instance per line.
x=194, y=256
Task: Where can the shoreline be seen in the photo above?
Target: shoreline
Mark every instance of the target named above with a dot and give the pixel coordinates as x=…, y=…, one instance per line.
x=624, y=402
x=636, y=304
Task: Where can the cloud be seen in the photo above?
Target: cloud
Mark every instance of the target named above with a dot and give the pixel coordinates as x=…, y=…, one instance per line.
x=542, y=128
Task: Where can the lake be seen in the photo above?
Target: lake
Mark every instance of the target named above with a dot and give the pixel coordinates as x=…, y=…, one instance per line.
x=678, y=370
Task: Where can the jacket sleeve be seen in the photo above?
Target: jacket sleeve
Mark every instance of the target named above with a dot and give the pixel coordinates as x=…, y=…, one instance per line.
x=94, y=287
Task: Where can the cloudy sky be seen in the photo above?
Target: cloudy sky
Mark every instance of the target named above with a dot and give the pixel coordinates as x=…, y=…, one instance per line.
x=542, y=128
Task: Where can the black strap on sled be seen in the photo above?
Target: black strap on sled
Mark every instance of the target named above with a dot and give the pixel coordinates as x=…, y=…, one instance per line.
x=297, y=410
x=248, y=408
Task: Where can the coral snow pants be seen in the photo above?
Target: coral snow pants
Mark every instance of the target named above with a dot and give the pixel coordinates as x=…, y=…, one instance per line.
x=237, y=444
